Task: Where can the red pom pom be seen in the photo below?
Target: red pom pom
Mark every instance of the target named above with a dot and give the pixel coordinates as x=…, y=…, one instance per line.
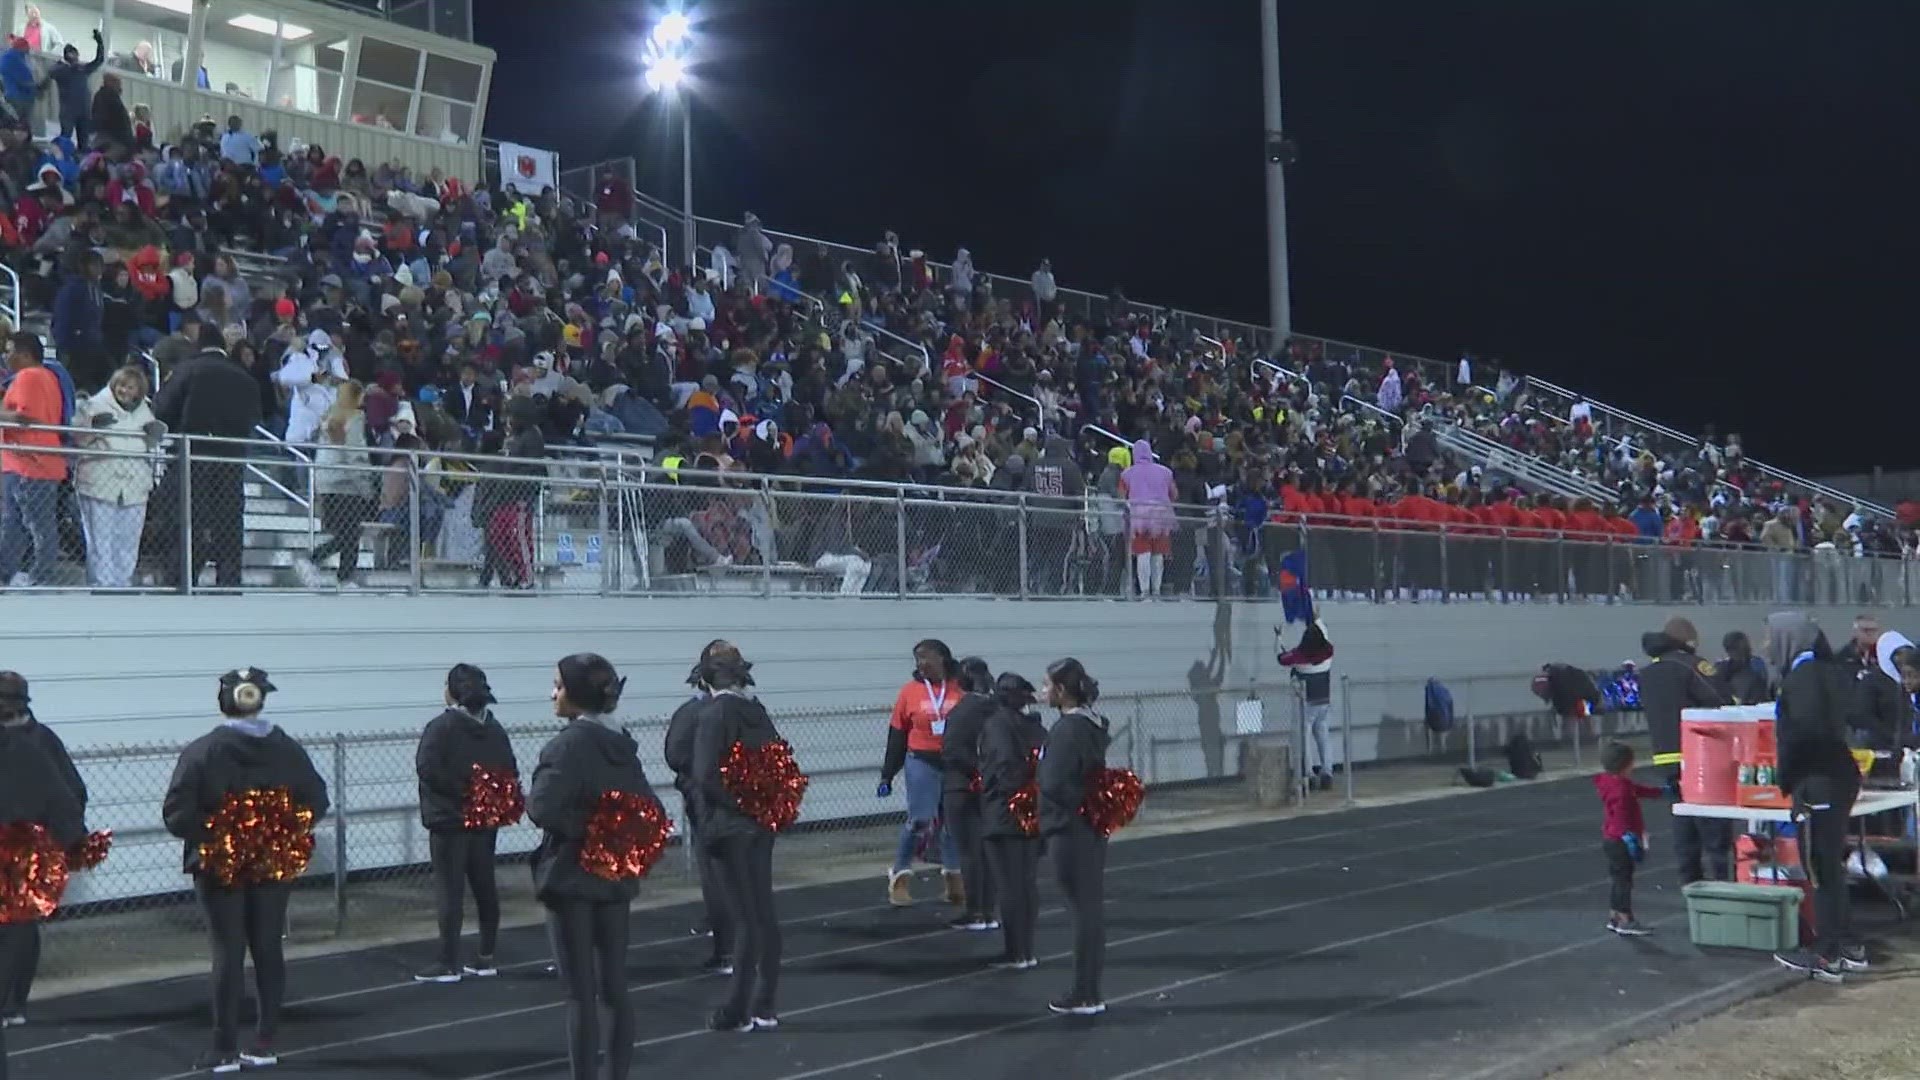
x=33, y=873
x=625, y=836
x=257, y=836
x=1024, y=804
x=1113, y=797
x=494, y=799
x=90, y=852
x=766, y=783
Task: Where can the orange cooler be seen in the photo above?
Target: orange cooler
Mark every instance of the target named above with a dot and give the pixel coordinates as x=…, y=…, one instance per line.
x=1712, y=744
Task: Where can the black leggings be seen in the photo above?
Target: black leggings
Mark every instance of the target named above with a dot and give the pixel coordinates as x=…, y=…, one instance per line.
x=713, y=892
x=341, y=517
x=1080, y=861
x=463, y=860
x=1016, y=873
x=745, y=864
x=1829, y=807
x=240, y=922
x=590, y=946
x=19, y=960
x=1619, y=877
x=962, y=811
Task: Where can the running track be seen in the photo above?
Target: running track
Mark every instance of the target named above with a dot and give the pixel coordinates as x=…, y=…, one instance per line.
x=1460, y=938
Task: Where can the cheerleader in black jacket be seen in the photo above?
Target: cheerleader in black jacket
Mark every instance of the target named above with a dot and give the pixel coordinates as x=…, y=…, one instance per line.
x=586, y=915
x=679, y=754
x=463, y=736
x=1009, y=740
x=14, y=705
x=1076, y=748
x=960, y=795
x=246, y=752
x=742, y=847
x=32, y=790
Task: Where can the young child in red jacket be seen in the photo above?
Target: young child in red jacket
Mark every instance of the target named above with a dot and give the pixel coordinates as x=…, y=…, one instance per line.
x=1625, y=833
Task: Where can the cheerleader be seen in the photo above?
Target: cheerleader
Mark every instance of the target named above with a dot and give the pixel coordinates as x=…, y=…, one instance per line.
x=1076, y=749
x=245, y=905
x=586, y=914
x=960, y=798
x=679, y=754
x=742, y=847
x=915, y=734
x=1010, y=740
x=464, y=755
x=32, y=791
x=13, y=696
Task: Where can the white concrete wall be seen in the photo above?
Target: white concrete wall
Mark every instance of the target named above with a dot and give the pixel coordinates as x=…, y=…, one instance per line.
x=118, y=671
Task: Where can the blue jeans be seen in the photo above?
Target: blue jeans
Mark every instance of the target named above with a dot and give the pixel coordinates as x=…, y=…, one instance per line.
x=27, y=509
x=923, y=806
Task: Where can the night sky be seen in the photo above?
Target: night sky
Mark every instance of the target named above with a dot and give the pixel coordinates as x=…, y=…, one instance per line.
x=1699, y=211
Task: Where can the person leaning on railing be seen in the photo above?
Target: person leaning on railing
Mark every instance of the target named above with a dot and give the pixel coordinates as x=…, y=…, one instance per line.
x=30, y=488
x=113, y=484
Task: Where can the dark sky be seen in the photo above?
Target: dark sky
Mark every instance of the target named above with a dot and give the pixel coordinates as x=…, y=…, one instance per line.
x=1699, y=211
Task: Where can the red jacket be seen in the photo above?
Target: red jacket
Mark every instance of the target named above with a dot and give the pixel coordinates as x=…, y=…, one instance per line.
x=1620, y=802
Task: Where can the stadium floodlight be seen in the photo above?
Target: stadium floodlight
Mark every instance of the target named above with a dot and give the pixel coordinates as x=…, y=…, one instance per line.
x=666, y=74
x=673, y=29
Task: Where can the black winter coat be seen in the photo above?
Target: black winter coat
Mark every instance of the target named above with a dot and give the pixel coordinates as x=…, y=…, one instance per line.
x=1810, y=724
x=210, y=394
x=585, y=761
x=1007, y=742
x=453, y=743
x=31, y=789
x=960, y=746
x=725, y=719
x=1076, y=748
x=1677, y=679
x=58, y=757
x=681, y=728
x=227, y=761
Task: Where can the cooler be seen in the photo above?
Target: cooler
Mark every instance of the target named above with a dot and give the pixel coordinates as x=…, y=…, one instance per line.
x=1713, y=744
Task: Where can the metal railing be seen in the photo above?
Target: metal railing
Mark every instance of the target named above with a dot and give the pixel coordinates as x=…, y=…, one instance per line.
x=405, y=521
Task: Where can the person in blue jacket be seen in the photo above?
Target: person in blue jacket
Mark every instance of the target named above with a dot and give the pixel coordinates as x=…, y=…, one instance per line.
x=18, y=82
x=71, y=76
x=77, y=330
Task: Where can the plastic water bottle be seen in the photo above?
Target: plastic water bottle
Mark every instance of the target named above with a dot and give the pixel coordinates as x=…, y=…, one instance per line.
x=1909, y=768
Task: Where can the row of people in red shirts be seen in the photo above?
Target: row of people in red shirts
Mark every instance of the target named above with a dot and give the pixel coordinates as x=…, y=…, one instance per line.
x=1516, y=516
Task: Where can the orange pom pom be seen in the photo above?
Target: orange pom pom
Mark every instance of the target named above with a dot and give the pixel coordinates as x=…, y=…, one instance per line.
x=766, y=783
x=494, y=799
x=625, y=836
x=256, y=837
x=33, y=873
x=90, y=852
x=1113, y=798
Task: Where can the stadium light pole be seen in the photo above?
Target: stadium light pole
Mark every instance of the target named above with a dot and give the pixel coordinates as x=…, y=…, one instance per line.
x=668, y=58
x=1279, y=153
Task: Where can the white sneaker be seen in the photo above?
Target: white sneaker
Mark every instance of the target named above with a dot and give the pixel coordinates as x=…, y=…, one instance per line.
x=308, y=573
x=20, y=581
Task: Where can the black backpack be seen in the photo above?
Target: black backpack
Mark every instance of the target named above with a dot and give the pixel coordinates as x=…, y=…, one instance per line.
x=1522, y=761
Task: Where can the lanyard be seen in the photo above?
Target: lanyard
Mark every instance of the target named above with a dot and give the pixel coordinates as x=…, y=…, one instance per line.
x=937, y=699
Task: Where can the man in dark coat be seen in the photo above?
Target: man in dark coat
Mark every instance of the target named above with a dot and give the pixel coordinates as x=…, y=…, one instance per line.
x=111, y=121
x=71, y=76
x=1679, y=679
x=211, y=396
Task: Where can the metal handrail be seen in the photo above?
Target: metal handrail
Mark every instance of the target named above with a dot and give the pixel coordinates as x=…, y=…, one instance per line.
x=1371, y=407
x=1264, y=362
x=10, y=304
x=1097, y=429
x=991, y=381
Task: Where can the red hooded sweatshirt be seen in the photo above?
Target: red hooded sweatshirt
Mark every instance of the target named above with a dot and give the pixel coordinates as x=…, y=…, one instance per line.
x=1620, y=803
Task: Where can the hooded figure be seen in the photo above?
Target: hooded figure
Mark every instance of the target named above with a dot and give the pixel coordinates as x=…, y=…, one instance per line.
x=1743, y=674
x=1816, y=769
x=1148, y=486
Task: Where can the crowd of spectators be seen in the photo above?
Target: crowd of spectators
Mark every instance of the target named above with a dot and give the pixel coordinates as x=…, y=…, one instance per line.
x=421, y=312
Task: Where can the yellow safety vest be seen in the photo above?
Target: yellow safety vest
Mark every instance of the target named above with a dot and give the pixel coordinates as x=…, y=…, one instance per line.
x=671, y=463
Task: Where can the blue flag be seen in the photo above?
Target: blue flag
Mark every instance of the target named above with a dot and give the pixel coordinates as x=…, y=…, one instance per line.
x=1296, y=600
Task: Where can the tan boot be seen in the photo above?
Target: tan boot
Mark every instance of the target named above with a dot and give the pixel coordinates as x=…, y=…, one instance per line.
x=900, y=888
x=956, y=889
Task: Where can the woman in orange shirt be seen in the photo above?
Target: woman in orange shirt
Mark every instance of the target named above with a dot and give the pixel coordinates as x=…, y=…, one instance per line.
x=915, y=735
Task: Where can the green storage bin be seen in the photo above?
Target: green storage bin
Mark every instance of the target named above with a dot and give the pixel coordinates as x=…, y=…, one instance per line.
x=1732, y=915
